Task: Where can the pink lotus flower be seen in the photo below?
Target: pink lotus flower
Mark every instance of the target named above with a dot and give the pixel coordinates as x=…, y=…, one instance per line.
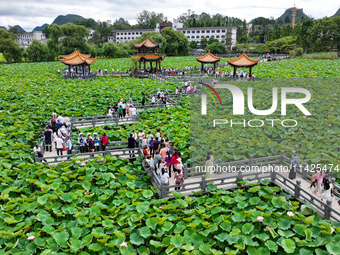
x=30, y=238
x=83, y=164
x=119, y=130
x=296, y=146
x=290, y=214
x=123, y=244
x=329, y=125
x=268, y=228
x=260, y=218
x=160, y=122
x=146, y=126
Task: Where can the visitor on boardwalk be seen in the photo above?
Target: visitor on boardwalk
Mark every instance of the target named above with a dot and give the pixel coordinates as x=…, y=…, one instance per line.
x=104, y=141
x=145, y=151
x=150, y=162
x=81, y=142
x=131, y=145
x=158, y=157
x=69, y=145
x=160, y=166
x=179, y=179
x=327, y=192
x=37, y=150
x=109, y=114
x=319, y=178
x=59, y=145
x=164, y=177
x=48, y=138
x=294, y=166
x=156, y=146
x=67, y=121
x=314, y=181
x=133, y=111
x=140, y=136
x=151, y=143
x=96, y=142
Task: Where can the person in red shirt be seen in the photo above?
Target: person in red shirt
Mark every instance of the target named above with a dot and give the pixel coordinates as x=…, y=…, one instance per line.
x=145, y=151
x=104, y=141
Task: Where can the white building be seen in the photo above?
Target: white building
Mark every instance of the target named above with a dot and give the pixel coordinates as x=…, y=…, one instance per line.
x=25, y=39
x=223, y=34
x=127, y=35
x=220, y=33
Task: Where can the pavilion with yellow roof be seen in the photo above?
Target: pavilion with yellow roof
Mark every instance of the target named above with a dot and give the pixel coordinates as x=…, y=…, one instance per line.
x=147, y=53
x=77, y=59
x=243, y=61
x=208, y=59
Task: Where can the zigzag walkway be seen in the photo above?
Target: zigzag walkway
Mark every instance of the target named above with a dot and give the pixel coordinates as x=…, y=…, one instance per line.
x=118, y=149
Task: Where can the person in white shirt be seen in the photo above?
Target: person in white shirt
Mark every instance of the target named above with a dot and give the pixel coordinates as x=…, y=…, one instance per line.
x=133, y=111
x=134, y=135
x=60, y=118
x=67, y=121
x=150, y=161
x=59, y=145
x=123, y=109
x=109, y=114
x=153, y=99
x=69, y=145
x=165, y=177
x=37, y=150
x=161, y=165
x=140, y=136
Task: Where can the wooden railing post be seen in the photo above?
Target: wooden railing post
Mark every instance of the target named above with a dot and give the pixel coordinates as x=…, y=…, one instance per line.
x=273, y=176
x=163, y=191
x=282, y=154
x=239, y=177
x=185, y=171
x=117, y=119
x=251, y=159
x=327, y=210
x=304, y=171
x=297, y=189
x=203, y=184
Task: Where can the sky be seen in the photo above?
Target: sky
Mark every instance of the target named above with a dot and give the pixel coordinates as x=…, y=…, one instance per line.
x=31, y=13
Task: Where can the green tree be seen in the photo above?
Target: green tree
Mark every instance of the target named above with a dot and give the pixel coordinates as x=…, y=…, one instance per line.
x=282, y=45
x=88, y=23
x=74, y=38
x=120, y=24
x=216, y=47
x=101, y=34
x=8, y=47
x=146, y=19
x=241, y=35
x=53, y=33
x=325, y=34
x=109, y=49
x=203, y=42
x=193, y=45
x=212, y=40
x=176, y=42
x=37, y=52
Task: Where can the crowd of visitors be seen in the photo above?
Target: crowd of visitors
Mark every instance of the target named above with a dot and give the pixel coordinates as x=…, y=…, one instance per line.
x=92, y=144
x=159, y=155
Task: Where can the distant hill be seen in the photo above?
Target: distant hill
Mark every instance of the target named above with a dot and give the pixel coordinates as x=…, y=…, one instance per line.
x=3, y=27
x=37, y=28
x=337, y=13
x=20, y=29
x=69, y=18
x=289, y=13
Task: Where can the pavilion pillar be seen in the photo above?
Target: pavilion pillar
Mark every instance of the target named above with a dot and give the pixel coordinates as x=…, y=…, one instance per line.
x=151, y=66
x=249, y=71
x=234, y=74
x=202, y=67
x=83, y=69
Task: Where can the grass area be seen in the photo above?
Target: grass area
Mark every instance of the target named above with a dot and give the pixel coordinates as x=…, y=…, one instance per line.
x=321, y=55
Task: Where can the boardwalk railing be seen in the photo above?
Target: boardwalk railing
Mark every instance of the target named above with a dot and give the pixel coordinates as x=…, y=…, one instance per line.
x=127, y=153
x=229, y=182
x=110, y=147
x=96, y=120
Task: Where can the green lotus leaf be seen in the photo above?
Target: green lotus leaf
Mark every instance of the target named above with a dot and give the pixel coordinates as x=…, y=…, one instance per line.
x=288, y=245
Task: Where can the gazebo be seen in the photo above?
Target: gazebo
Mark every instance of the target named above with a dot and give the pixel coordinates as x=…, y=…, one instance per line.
x=243, y=61
x=147, y=52
x=208, y=59
x=77, y=59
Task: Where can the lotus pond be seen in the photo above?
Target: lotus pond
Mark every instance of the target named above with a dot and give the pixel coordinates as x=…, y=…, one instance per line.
x=109, y=207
